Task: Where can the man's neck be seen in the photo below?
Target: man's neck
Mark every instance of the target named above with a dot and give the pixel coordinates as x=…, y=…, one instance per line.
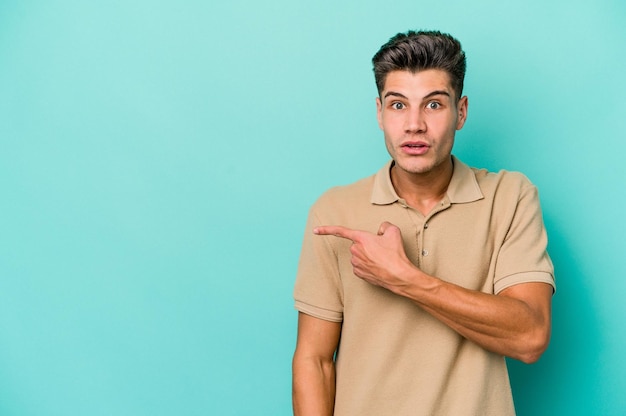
x=422, y=191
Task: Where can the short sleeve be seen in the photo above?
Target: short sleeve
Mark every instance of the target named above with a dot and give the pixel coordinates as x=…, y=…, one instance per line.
x=523, y=256
x=318, y=291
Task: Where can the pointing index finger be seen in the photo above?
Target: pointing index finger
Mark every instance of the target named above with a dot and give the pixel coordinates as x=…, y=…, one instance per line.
x=337, y=230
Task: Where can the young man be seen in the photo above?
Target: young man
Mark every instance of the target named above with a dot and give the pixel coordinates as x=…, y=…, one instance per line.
x=415, y=283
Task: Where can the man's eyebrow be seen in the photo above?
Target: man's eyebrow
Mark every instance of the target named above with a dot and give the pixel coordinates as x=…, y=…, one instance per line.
x=437, y=92
x=395, y=94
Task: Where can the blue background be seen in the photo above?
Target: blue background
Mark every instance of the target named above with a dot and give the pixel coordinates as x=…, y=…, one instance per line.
x=157, y=161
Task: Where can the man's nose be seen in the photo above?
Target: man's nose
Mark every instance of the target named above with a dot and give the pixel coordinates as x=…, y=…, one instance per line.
x=415, y=122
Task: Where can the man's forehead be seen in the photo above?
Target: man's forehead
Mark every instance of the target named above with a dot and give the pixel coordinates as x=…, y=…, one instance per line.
x=422, y=82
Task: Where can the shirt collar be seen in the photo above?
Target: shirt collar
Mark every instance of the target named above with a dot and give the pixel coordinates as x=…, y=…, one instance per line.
x=463, y=186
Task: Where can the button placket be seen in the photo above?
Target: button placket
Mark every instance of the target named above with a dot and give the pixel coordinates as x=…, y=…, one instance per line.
x=416, y=220
x=424, y=250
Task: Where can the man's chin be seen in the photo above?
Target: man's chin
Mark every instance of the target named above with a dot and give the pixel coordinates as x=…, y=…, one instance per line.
x=414, y=168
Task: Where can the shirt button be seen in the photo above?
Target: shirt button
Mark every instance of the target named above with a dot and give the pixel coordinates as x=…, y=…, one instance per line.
x=425, y=225
x=424, y=253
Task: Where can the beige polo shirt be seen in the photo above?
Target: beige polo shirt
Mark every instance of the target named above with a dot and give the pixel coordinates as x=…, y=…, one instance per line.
x=395, y=359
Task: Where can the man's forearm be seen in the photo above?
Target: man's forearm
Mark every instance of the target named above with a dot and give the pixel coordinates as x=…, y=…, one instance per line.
x=313, y=387
x=515, y=323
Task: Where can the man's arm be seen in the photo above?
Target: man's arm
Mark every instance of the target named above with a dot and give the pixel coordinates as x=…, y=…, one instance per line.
x=515, y=323
x=314, y=366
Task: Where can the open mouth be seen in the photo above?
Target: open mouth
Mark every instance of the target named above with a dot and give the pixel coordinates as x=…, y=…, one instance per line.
x=415, y=148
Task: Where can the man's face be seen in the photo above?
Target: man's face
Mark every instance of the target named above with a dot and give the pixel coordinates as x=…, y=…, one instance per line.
x=419, y=115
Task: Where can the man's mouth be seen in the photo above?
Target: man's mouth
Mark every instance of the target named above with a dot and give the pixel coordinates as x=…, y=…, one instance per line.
x=415, y=148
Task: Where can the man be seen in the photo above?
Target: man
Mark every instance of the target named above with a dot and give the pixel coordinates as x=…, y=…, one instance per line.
x=415, y=283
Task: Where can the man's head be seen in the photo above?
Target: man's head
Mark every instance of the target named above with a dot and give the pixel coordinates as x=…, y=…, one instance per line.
x=420, y=104
x=418, y=51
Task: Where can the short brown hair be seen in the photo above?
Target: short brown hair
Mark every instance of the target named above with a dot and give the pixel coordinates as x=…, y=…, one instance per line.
x=417, y=51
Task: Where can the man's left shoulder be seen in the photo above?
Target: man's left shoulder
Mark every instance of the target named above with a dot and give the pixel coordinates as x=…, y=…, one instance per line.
x=502, y=180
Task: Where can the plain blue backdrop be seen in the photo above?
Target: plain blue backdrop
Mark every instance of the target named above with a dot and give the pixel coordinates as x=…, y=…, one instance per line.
x=158, y=158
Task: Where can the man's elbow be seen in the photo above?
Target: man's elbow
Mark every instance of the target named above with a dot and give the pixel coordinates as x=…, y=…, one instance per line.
x=533, y=346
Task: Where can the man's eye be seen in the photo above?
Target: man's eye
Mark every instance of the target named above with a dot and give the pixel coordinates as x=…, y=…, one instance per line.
x=433, y=105
x=397, y=106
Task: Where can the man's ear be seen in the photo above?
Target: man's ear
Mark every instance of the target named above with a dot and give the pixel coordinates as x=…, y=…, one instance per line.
x=379, y=110
x=461, y=109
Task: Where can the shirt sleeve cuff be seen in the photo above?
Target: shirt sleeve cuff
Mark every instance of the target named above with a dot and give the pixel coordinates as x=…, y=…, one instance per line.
x=320, y=313
x=526, y=277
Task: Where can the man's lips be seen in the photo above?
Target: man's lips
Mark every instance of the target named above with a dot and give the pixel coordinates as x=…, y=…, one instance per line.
x=415, y=147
